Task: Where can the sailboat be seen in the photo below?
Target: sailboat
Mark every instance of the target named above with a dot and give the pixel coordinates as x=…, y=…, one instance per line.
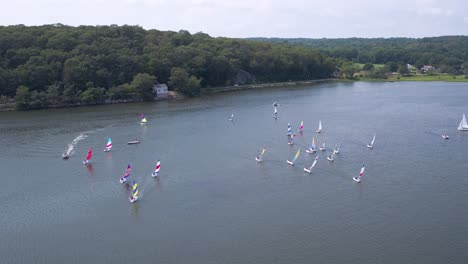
x=308, y=170
x=289, y=129
x=371, y=145
x=275, y=113
x=143, y=119
x=312, y=147
x=336, y=150
x=290, y=139
x=330, y=158
x=259, y=158
x=358, y=178
x=295, y=157
x=445, y=136
x=123, y=179
x=231, y=118
x=323, y=148
x=156, y=169
x=301, y=127
x=108, y=145
x=319, y=127
x=88, y=156
x=463, y=126
x=134, y=196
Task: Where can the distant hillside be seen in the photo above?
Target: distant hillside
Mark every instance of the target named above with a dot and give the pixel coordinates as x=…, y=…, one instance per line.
x=449, y=52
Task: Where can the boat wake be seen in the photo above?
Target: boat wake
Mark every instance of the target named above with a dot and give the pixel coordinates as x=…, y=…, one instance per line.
x=71, y=146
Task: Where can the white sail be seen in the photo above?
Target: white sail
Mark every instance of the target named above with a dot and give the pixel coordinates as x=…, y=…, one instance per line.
x=371, y=145
x=319, y=127
x=463, y=125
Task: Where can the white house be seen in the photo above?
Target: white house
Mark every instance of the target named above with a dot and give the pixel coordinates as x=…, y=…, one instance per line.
x=160, y=90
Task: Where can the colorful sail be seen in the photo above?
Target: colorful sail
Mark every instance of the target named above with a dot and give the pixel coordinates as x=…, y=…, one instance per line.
x=134, y=189
x=289, y=129
x=90, y=154
x=127, y=171
x=297, y=155
x=362, y=171
x=301, y=126
x=143, y=118
x=109, y=144
x=157, y=168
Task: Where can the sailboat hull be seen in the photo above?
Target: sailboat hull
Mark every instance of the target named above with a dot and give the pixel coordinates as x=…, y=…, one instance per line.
x=463, y=129
x=258, y=159
x=330, y=159
x=370, y=146
x=154, y=174
x=290, y=143
x=356, y=179
x=307, y=170
x=123, y=180
x=310, y=151
x=290, y=162
x=106, y=150
x=85, y=162
x=133, y=199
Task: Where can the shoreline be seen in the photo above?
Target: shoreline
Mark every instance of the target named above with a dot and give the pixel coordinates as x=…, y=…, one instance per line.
x=174, y=96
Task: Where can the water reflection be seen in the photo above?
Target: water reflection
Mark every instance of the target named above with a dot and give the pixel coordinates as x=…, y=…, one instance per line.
x=90, y=169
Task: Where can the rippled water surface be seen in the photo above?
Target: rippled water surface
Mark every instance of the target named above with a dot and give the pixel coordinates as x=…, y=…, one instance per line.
x=214, y=204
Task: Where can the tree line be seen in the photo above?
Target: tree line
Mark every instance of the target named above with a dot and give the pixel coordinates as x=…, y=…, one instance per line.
x=448, y=53
x=51, y=65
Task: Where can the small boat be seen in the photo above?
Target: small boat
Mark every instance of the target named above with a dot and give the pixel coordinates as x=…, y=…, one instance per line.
x=108, y=145
x=275, y=104
x=371, y=145
x=323, y=148
x=330, y=158
x=358, y=178
x=463, y=126
x=88, y=156
x=336, y=150
x=290, y=139
x=156, y=169
x=308, y=170
x=295, y=157
x=259, y=158
x=301, y=127
x=319, y=127
x=289, y=129
x=143, y=119
x=131, y=142
x=445, y=136
x=231, y=118
x=312, y=147
x=123, y=179
x=65, y=156
x=134, y=196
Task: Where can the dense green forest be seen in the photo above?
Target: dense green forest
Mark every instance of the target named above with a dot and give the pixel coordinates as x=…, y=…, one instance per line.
x=53, y=65
x=449, y=53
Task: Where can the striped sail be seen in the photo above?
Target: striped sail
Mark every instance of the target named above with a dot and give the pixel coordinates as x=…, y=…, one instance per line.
x=134, y=189
x=109, y=144
x=289, y=129
x=127, y=171
x=362, y=171
x=157, y=168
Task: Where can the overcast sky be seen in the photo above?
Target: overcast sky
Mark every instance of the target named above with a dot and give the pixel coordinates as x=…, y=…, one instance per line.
x=254, y=18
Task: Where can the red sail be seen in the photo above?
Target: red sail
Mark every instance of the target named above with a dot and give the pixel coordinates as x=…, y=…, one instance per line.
x=90, y=154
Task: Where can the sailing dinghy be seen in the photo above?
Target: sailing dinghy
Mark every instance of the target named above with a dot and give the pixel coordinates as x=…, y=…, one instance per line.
x=330, y=158
x=323, y=148
x=231, y=118
x=463, y=126
x=88, y=156
x=259, y=158
x=358, y=178
x=301, y=127
x=445, y=136
x=295, y=157
x=290, y=139
x=312, y=147
x=143, y=119
x=156, y=169
x=123, y=179
x=289, y=129
x=275, y=113
x=308, y=170
x=336, y=150
x=319, y=127
x=371, y=145
x=108, y=145
x=134, y=196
